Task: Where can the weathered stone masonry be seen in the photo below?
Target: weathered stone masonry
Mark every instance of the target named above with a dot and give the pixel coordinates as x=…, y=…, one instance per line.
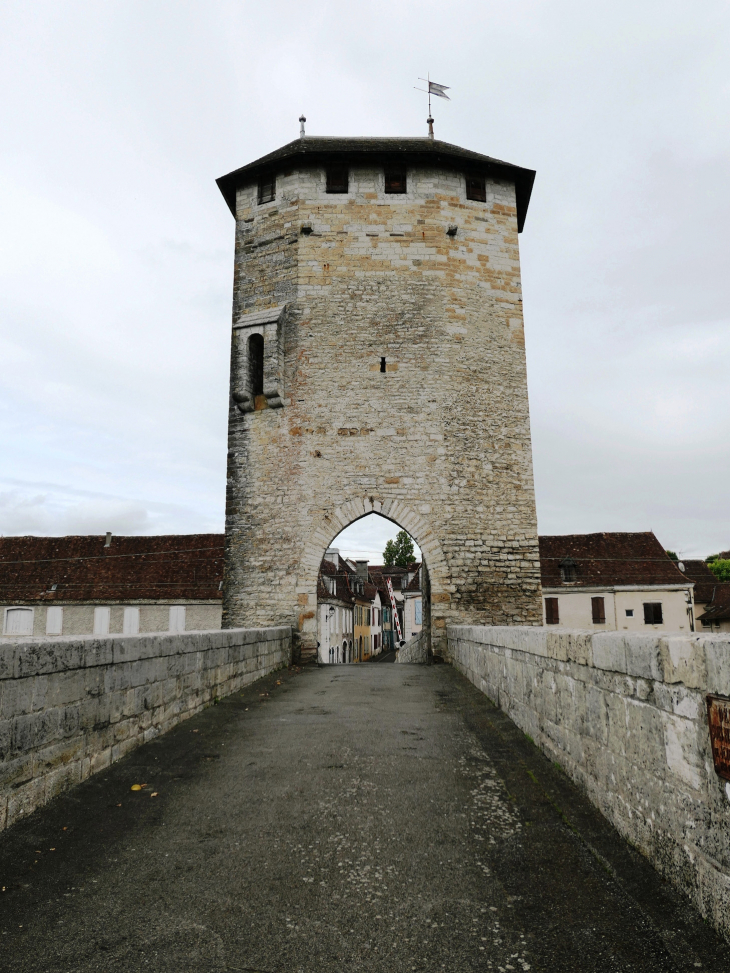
x=71, y=706
x=625, y=716
x=440, y=441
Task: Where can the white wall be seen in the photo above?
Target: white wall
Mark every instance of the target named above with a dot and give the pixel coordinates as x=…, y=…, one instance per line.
x=574, y=606
x=79, y=619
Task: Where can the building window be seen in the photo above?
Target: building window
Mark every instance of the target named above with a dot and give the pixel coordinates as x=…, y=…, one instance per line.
x=177, y=618
x=54, y=620
x=598, y=610
x=256, y=365
x=395, y=179
x=102, y=618
x=19, y=621
x=629, y=612
x=267, y=189
x=652, y=613
x=130, y=625
x=551, y=611
x=568, y=570
x=418, y=611
x=476, y=188
x=337, y=179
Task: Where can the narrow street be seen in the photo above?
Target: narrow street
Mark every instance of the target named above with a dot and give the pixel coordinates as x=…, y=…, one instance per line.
x=347, y=818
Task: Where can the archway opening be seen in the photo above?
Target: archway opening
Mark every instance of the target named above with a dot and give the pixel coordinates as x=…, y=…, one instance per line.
x=373, y=593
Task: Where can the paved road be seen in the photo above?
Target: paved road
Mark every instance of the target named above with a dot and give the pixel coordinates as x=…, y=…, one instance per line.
x=356, y=818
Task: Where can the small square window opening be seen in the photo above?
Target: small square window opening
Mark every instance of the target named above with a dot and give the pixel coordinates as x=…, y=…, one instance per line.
x=267, y=189
x=629, y=612
x=476, y=188
x=337, y=179
x=395, y=180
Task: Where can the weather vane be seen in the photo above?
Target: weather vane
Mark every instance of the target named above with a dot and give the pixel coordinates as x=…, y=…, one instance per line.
x=433, y=89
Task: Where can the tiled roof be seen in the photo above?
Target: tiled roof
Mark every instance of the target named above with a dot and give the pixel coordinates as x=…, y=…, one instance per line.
x=342, y=586
x=170, y=567
x=607, y=559
x=317, y=149
x=704, y=580
x=719, y=610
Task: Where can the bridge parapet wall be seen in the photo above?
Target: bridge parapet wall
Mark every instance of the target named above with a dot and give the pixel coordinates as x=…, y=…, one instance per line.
x=69, y=707
x=625, y=716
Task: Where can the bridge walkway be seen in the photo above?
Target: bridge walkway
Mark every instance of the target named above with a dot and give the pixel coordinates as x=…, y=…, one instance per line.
x=348, y=818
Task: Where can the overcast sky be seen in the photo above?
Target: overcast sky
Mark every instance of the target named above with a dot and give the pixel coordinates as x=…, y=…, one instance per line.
x=116, y=249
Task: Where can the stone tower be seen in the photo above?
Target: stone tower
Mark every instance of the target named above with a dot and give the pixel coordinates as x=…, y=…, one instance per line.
x=378, y=364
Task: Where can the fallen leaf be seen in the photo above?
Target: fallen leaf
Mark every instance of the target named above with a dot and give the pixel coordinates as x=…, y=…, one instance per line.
x=65, y=829
x=136, y=787
x=52, y=849
x=153, y=794
x=196, y=731
x=119, y=805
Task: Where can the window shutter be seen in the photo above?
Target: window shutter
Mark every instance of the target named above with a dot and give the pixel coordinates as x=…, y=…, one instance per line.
x=598, y=607
x=267, y=189
x=54, y=620
x=552, y=616
x=476, y=188
x=102, y=618
x=177, y=618
x=19, y=621
x=653, y=613
x=130, y=625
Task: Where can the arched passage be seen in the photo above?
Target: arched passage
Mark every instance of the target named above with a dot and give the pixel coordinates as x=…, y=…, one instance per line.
x=332, y=522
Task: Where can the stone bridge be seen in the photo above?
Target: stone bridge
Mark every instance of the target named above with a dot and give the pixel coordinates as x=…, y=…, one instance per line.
x=371, y=817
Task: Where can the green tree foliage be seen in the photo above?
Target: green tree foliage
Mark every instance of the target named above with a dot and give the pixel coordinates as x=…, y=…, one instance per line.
x=399, y=551
x=720, y=568
x=673, y=555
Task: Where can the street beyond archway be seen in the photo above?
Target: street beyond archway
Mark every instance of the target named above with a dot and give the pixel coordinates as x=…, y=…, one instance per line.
x=371, y=817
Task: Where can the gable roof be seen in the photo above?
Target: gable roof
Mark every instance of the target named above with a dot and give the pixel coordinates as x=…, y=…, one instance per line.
x=719, y=610
x=608, y=559
x=165, y=567
x=322, y=150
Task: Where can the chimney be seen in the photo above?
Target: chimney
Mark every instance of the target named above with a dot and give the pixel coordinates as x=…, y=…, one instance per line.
x=362, y=569
x=333, y=554
x=108, y=541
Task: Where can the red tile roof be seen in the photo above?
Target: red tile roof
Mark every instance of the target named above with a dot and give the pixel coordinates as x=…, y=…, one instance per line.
x=704, y=580
x=607, y=559
x=177, y=567
x=719, y=610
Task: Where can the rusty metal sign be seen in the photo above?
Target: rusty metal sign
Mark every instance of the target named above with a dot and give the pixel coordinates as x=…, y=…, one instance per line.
x=718, y=716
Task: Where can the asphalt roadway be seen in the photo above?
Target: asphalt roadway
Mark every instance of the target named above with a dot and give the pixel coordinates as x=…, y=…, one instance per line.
x=364, y=818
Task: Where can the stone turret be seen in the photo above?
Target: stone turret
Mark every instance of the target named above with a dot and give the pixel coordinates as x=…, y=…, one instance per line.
x=378, y=364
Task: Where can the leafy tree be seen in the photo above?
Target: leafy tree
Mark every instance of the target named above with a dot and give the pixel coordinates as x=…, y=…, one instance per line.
x=399, y=551
x=672, y=555
x=720, y=568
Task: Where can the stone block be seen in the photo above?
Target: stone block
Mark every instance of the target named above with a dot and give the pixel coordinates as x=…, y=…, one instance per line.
x=24, y=800
x=609, y=652
x=47, y=656
x=9, y=653
x=682, y=749
x=16, y=771
x=683, y=660
x=717, y=660
x=17, y=697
